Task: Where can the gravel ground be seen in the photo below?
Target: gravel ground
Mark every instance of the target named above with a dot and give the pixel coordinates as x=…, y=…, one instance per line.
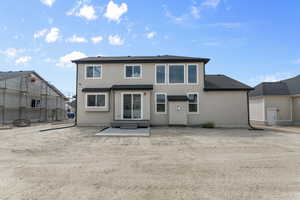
x=174, y=163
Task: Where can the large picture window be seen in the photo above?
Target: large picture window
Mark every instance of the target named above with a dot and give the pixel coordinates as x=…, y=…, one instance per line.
x=192, y=74
x=176, y=73
x=161, y=102
x=193, y=102
x=93, y=72
x=133, y=71
x=96, y=100
x=160, y=74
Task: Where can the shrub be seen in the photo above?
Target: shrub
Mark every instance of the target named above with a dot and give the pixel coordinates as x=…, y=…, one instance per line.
x=208, y=125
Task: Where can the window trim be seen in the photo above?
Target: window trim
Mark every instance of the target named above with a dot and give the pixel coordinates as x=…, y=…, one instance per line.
x=197, y=93
x=166, y=103
x=128, y=65
x=197, y=72
x=166, y=74
x=142, y=105
x=184, y=74
x=93, y=65
x=96, y=93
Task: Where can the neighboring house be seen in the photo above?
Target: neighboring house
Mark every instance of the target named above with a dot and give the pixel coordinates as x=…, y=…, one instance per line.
x=276, y=103
x=26, y=95
x=157, y=90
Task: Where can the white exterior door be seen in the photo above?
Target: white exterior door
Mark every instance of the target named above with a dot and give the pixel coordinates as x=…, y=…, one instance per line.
x=132, y=106
x=177, y=113
x=271, y=116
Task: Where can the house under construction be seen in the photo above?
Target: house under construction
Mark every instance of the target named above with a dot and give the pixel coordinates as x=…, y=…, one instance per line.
x=25, y=95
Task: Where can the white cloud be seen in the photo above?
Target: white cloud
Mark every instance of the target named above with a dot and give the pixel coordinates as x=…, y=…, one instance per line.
x=48, y=2
x=211, y=3
x=40, y=33
x=65, y=61
x=173, y=18
x=278, y=76
x=53, y=35
x=114, y=12
x=23, y=60
x=82, y=9
x=88, y=12
x=76, y=39
x=49, y=60
x=10, y=52
x=195, y=12
x=96, y=39
x=151, y=35
x=115, y=40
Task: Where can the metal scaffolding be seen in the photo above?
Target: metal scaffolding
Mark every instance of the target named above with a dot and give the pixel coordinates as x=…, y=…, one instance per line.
x=29, y=97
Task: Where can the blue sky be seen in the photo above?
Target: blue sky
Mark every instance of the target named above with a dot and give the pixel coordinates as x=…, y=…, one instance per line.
x=249, y=40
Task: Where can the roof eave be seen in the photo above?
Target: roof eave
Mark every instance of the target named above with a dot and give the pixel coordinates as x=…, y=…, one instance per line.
x=228, y=89
x=204, y=60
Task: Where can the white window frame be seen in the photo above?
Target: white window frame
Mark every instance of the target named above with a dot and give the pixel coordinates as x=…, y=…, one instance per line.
x=131, y=65
x=122, y=105
x=166, y=74
x=93, y=65
x=96, y=93
x=197, y=73
x=184, y=74
x=188, y=102
x=166, y=103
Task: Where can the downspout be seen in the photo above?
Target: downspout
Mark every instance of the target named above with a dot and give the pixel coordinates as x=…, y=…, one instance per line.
x=252, y=128
x=76, y=99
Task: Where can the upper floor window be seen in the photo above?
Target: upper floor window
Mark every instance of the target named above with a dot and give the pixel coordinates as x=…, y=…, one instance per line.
x=93, y=72
x=176, y=73
x=96, y=100
x=160, y=74
x=192, y=74
x=133, y=71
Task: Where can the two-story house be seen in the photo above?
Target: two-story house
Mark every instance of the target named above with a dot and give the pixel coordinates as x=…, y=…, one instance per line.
x=157, y=90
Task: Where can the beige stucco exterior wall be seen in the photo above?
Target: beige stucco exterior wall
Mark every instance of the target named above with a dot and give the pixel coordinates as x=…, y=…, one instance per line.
x=227, y=108
x=257, y=109
x=282, y=103
x=296, y=109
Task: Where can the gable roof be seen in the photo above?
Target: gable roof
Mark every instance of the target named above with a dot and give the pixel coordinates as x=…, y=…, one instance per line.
x=285, y=87
x=222, y=82
x=15, y=74
x=140, y=59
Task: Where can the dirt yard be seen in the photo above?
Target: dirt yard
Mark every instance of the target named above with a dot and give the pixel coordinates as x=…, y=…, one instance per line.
x=174, y=163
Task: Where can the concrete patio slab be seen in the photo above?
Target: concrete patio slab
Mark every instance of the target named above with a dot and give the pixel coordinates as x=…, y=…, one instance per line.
x=144, y=132
x=288, y=129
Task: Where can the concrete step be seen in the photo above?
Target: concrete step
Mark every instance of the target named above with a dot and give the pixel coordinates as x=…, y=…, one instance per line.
x=129, y=126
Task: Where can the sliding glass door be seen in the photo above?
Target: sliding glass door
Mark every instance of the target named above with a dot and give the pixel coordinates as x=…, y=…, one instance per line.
x=132, y=106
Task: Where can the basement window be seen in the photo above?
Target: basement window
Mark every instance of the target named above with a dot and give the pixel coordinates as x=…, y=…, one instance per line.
x=35, y=103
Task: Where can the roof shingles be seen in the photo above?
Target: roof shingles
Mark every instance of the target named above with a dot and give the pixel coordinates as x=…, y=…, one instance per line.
x=222, y=82
x=285, y=87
